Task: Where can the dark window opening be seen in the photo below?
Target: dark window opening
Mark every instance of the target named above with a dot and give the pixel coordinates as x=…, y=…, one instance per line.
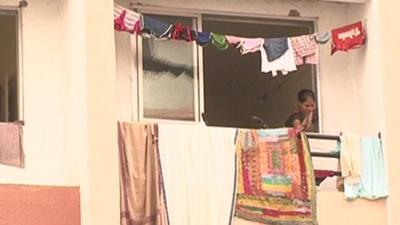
x=235, y=89
x=8, y=66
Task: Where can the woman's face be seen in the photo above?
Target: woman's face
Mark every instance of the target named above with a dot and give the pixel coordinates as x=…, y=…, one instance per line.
x=307, y=106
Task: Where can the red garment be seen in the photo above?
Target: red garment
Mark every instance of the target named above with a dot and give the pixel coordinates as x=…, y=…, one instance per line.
x=181, y=32
x=321, y=175
x=348, y=37
x=126, y=20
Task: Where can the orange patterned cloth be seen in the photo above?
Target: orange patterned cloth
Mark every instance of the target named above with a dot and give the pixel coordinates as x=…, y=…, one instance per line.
x=275, y=183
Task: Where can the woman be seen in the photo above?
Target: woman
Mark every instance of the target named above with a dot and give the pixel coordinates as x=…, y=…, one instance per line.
x=305, y=116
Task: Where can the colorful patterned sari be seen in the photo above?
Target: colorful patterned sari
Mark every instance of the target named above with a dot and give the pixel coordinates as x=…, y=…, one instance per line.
x=275, y=181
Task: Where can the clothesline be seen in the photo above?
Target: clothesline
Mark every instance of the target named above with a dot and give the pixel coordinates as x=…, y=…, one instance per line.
x=277, y=54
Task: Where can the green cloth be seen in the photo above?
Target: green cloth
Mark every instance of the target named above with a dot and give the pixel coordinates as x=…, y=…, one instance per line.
x=219, y=41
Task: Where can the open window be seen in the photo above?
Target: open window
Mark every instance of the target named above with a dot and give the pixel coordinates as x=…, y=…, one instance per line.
x=178, y=80
x=235, y=89
x=9, y=65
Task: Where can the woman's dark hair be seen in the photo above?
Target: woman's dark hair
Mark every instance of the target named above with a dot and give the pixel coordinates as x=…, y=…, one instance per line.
x=304, y=94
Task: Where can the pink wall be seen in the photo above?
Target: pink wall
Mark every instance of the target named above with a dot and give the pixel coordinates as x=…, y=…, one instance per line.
x=44, y=205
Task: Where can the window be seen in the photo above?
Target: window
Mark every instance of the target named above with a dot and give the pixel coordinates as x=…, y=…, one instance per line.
x=168, y=79
x=9, y=65
x=234, y=88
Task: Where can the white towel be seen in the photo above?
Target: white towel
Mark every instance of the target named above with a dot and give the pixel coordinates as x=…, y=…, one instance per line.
x=350, y=158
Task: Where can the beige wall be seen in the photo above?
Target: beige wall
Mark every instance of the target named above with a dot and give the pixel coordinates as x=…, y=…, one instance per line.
x=44, y=99
x=351, y=88
x=390, y=74
x=69, y=103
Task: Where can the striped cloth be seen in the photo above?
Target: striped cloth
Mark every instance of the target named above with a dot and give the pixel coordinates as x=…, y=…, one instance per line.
x=305, y=49
x=126, y=20
x=275, y=181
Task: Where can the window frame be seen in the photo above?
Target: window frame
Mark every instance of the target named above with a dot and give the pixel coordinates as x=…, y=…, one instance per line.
x=20, y=80
x=199, y=13
x=197, y=65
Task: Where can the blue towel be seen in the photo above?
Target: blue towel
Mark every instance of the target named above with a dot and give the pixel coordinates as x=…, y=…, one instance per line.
x=373, y=184
x=203, y=38
x=275, y=47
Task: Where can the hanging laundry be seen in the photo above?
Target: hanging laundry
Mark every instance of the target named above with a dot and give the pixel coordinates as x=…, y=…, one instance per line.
x=155, y=27
x=323, y=38
x=180, y=32
x=275, y=47
x=219, y=41
x=348, y=37
x=275, y=181
x=11, y=149
x=250, y=45
x=142, y=197
x=126, y=20
x=350, y=158
x=203, y=38
x=285, y=63
x=373, y=179
x=233, y=40
x=305, y=49
x=199, y=173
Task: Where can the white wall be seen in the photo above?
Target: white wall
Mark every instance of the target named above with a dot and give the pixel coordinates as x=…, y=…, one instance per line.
x=44, y=98
x=70, y=136
x=351, y=85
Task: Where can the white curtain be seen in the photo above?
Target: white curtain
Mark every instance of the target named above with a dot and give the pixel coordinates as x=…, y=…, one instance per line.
x=198, y=165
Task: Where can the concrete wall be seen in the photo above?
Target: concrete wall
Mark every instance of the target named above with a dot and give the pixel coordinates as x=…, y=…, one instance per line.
x=351, y=84
x=70, y=136
x=391, y=34
x=70, y=103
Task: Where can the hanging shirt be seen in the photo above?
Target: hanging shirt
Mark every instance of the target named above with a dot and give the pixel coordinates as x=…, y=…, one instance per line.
x=126, y=20
x=350, y=158
x=155, y=27
x=373, y=183
x=250, y=45
x=275, y=47
x=348, y=37
x=219, y=41
x=285, y=63
x=233, y=40
x=203, y=38
x=180, y=32
x=305, y=49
